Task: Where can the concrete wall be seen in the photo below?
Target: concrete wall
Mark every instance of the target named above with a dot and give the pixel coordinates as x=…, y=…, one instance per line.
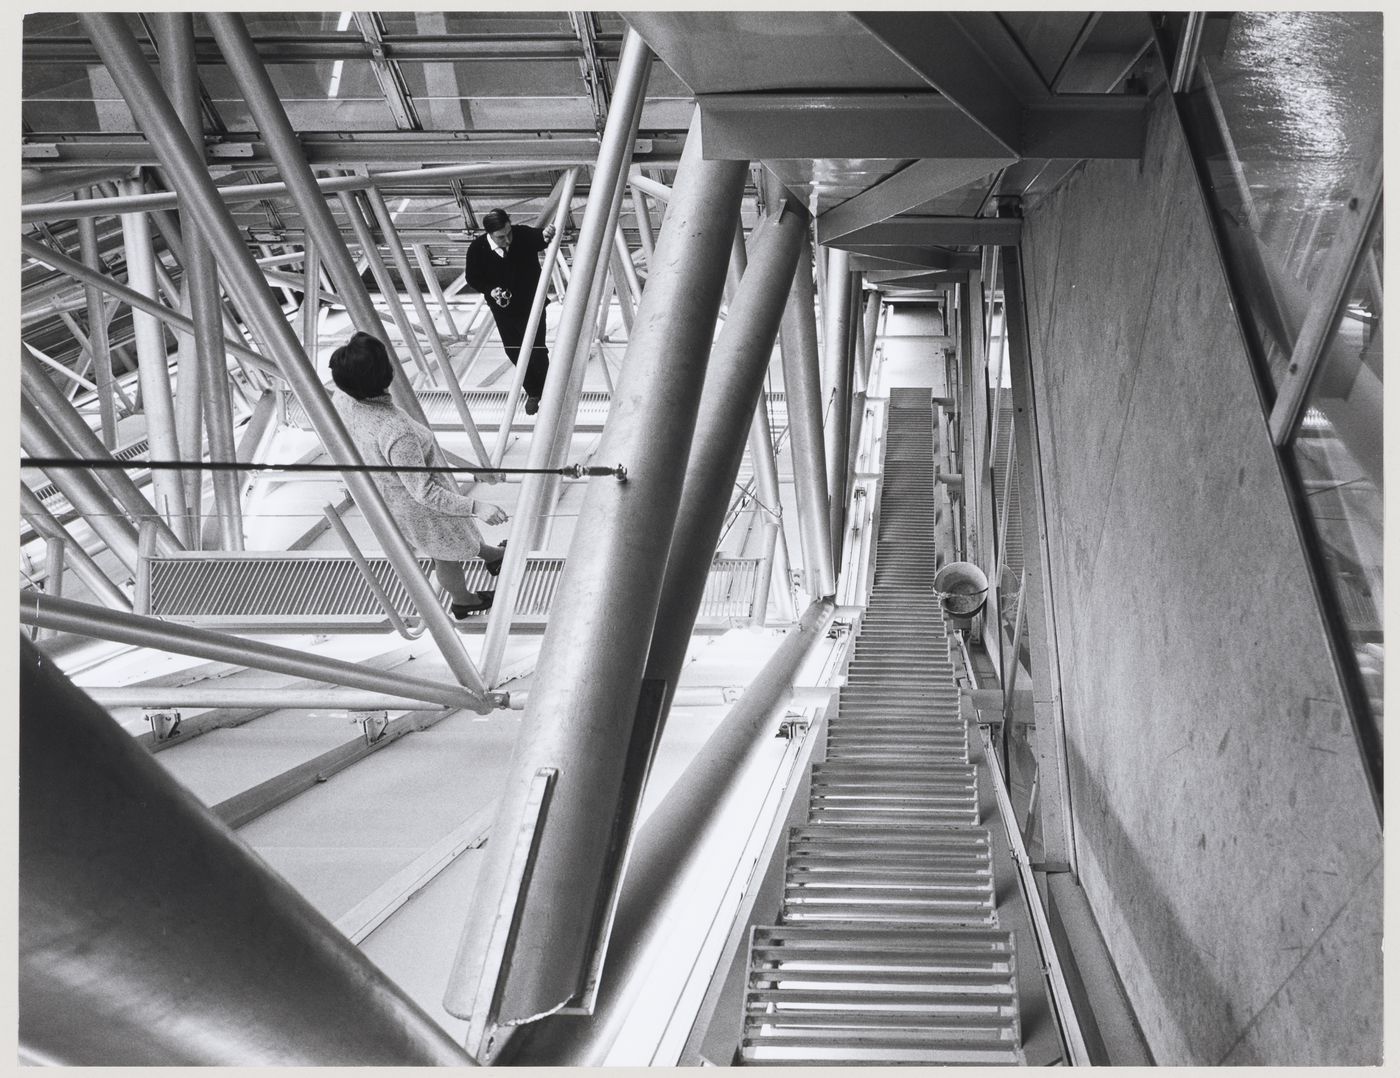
x=1224, y=833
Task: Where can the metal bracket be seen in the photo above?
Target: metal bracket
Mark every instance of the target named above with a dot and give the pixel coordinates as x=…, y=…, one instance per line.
x=498, y=699
x=164, y=724
x=788, y=729
x=374, y=724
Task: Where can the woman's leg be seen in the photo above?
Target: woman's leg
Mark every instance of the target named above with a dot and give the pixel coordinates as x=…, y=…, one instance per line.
x=451, y=576
x=491, y=554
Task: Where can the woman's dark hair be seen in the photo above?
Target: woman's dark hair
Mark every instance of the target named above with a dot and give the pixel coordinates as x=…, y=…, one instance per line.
x=361, y=366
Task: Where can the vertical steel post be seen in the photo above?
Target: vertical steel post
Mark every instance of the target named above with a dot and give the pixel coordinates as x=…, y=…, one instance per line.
x=614, y=156
x=588, y=683
x=1038, y=598
x=83, y=492
x=276, y=130
x=132, y=75
x=400, y=256
x=79, y=441
x=802, y=382
x=97, y=334
x=153, y=367
x=135, y=902
x=629, y=269
x=82, y=563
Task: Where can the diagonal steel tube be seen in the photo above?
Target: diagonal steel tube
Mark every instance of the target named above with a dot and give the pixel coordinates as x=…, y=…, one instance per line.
x=614, y=156
x=236, y=44
x=136, y=902
x=59, y=412
x=565, y=189
x=85, y=619
x=82, y=563
x=153, y=113
x=588, y=683
x=97, y=336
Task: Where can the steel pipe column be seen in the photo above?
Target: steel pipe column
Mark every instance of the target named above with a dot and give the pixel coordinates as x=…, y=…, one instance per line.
x=665, y=853
x=588, y=683
x=802, y=382
x=98, y=343
x=123, y=59
x=614, y=158
x=836, y=385
x=733, y=389
x=150, y=935
x=241, y=55
x=153, y=368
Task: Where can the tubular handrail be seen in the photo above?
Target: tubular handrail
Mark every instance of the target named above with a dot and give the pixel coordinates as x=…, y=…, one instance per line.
x=1061, y=1005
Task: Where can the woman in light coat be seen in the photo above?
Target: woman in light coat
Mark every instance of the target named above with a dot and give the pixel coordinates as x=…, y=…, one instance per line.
x=435, y=516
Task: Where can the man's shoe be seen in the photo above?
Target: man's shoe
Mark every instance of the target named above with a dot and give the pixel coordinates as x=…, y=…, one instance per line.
x=532, y=405
x=484, y=599
x=494, y=567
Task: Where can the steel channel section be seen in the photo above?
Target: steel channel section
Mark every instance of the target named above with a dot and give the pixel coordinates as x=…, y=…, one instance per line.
x=665, y=852
x=98, y=342
x=187, y=172
x=80, y=561
x=565, y=189
x=591, y=661
x=266, y=107
x=150, y=935
x=1038, y=599
x=153, y=368
x=84, y=493
x=77, y=436
x=614, y=157
x=85, y=619
x=801, y=380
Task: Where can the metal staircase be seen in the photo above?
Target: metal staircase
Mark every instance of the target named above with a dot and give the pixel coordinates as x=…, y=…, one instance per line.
x=888, y=949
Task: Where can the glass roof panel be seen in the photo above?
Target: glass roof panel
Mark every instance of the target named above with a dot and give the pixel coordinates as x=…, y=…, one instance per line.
x=468, y=78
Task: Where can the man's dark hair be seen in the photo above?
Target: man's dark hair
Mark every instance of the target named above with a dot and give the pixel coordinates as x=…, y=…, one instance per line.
x=361, y=367
x=495, y=220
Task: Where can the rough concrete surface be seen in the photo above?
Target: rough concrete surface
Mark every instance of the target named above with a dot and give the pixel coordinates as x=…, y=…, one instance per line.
x=1225, y=836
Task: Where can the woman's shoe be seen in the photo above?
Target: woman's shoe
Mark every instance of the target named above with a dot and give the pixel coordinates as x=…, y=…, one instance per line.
x=494, y=567
x=484, y=599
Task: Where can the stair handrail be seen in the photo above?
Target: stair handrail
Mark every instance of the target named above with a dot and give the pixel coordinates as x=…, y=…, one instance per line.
x=1061, y=1004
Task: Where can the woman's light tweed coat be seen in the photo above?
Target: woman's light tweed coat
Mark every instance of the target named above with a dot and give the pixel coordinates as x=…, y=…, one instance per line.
x=434, y=515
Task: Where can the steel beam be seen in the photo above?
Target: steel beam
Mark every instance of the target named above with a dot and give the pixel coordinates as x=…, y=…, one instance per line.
x=274, y=699
x=98, y=340
x=935, y=45
x=187, y=171
x=149, y=935
x=913, y=185
x=915, y=231
x=425, y=264
x=614, y=158
x=588, y=680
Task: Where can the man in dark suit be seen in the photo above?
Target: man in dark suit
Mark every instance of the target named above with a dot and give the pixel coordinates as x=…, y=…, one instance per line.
x=503, y=265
